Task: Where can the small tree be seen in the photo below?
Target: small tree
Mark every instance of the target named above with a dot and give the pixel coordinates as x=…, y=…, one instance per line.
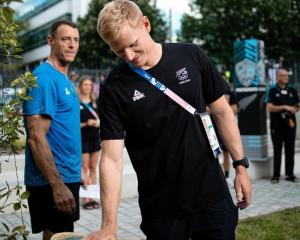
x=11, y=116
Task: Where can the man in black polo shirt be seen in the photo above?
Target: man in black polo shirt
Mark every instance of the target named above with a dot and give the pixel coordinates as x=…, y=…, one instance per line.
x=182, y=190
x=282, y=103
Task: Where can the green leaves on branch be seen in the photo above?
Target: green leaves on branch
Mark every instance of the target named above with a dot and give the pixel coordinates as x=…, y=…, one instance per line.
x=16, y=233
x=215, y=25
x=11, y=119
x=21, y=197
x=8, y=31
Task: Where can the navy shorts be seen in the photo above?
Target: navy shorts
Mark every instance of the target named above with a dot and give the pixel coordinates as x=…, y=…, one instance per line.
x=217, y=222
x=44, y=214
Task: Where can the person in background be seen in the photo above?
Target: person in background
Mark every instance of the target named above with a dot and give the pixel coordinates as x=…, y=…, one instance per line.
x=282, y=104
x=74, y=78
x=182, y=189
x=90, y=139
x=53, y=148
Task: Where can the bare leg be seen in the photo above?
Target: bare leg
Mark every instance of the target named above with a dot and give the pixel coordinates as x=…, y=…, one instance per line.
x=94, y=160
x=85, y=171
x=47, y=234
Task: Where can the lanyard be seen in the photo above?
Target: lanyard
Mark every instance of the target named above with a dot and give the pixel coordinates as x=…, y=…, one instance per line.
x=163, y=88
x=205, y=118
x=91, y=110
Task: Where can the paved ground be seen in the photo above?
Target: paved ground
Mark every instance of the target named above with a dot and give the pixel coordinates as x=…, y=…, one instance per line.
x=267, y=198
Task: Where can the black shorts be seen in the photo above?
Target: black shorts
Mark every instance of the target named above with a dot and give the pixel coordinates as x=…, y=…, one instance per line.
x=44, y=214
x=91, y=146
x=216, y=222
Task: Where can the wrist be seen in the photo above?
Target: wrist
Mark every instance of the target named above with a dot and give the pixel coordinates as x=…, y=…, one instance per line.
x=242, y=163
x=240, y=169
x=56, y=183
x=109, y=227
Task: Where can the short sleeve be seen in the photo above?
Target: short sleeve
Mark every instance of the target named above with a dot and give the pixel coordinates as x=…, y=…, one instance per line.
x=232, y=98
x=111, y=126
x=214, y=85
x=268, y=97
x=44, y=97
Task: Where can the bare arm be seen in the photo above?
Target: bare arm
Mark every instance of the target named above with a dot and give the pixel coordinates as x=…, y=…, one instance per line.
x=111, y=167
x=91, y=123
x=227, y=125
x=234, y=108
x=38, y=127
x=279, y=108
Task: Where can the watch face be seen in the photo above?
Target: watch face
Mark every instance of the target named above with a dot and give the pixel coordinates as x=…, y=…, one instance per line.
x=246, y=162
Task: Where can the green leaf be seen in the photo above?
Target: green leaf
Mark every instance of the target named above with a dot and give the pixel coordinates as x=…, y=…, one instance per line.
x=18, y=228
x=14, y=82
x=17, y=206
x=12, y=237
x=8, y=13
x=24, y=205
x=16, y=56
x=25, y=195
x=6, y=227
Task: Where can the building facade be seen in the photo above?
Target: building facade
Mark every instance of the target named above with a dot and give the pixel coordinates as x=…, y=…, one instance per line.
x=38, y=16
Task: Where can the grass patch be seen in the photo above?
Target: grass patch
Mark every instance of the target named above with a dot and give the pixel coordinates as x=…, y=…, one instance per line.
x=282, y=225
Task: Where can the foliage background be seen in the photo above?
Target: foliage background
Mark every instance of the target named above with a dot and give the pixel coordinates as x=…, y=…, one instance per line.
x=216, y=24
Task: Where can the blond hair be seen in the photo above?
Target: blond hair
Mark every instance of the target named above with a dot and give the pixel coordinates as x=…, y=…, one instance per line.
x=113, y=15
x=81, y=81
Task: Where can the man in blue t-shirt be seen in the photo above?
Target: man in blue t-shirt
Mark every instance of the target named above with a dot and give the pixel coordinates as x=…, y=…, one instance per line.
x=53, y=151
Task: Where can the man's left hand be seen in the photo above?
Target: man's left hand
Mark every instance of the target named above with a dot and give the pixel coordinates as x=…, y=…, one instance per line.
x=242, y=187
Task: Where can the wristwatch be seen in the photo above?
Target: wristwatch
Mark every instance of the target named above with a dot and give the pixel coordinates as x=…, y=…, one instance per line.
x=244, y=162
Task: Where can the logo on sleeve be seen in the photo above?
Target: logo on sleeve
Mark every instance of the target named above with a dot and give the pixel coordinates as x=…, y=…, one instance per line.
x=183, y=76
x=138, y=95
x=67, y=91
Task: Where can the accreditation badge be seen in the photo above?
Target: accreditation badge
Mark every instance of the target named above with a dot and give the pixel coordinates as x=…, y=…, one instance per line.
x=284, y=92
x=211, y=134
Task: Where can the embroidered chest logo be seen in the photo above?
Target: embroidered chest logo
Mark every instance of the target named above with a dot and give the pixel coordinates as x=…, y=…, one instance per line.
x=67, y=91
x=183, y=76
x=138, y=95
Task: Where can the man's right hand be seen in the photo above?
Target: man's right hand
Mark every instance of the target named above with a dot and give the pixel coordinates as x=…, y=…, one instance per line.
x=103, y=234
x=64, y=199
x=291, y=109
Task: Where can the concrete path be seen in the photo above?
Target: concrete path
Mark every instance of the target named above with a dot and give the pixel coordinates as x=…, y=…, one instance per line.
x=267, y=198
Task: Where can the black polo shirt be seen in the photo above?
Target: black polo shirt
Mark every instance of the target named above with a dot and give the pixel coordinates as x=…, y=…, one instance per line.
x=177, y=172
x=281, y=96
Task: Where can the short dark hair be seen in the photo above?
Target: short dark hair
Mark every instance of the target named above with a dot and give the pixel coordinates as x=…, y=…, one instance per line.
x=57, y=24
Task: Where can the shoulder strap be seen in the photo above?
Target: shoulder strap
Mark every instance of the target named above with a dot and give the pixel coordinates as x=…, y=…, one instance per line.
x=163, y=89
x=91, y=110
x=205, y=117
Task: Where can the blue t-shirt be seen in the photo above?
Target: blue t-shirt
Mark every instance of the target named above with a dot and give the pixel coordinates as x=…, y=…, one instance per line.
x=55, y=97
